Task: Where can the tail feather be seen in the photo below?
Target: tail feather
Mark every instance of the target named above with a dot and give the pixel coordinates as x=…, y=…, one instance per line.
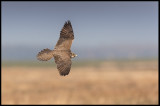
x=45, y=54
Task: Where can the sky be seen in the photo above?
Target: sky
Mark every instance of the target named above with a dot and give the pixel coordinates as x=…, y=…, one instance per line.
x=95, y=24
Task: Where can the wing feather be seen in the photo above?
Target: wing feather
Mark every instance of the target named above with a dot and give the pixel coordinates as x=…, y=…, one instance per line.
x=66, y=37
x=63, y=61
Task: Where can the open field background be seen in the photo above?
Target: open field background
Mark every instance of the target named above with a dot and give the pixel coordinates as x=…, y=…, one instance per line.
x=116, y=44
x=96, y=82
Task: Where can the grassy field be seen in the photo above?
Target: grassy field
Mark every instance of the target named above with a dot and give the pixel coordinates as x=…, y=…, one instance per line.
x=106, y=82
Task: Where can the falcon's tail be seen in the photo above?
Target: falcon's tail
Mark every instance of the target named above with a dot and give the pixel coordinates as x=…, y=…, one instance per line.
x=45, y=54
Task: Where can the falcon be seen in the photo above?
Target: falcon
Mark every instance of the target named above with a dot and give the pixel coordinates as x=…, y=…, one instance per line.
x=61, y=53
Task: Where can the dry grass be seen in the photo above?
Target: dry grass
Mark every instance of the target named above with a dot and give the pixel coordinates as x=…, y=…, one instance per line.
x=108, y=83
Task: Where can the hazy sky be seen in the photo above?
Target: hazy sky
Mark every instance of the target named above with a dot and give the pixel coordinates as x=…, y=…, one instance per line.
x=94, y=23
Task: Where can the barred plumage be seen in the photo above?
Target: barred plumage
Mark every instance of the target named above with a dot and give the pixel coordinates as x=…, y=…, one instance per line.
x=61, y=53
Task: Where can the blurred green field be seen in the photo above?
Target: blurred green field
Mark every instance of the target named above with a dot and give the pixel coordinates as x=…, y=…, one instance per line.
x=89, y=82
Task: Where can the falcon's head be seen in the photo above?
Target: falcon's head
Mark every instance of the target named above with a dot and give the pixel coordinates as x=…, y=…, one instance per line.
x=73, y=55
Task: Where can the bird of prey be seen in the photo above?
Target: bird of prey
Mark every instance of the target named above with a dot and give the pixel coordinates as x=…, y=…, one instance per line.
x=61, y=53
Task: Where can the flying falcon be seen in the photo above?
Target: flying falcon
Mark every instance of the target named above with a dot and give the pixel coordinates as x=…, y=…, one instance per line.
x=61, y=53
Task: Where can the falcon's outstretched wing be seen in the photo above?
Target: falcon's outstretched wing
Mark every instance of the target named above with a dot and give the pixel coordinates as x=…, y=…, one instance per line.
x=45, y=54
x=63, y=61
x=66, y=37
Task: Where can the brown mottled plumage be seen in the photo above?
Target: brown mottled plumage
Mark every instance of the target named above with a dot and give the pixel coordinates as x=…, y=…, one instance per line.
x=61, y=53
